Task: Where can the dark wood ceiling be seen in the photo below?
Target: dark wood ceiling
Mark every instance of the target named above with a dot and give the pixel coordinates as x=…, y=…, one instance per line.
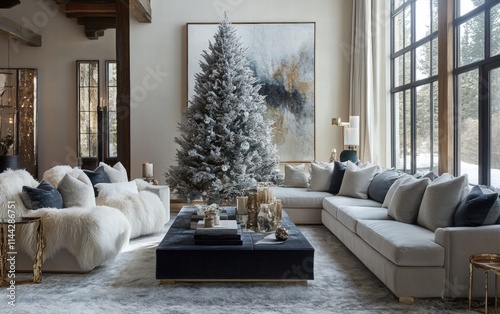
x=98, y=16
x=95, y=16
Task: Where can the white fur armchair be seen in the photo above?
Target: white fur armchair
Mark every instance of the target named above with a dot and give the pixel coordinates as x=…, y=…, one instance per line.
x=76, y=239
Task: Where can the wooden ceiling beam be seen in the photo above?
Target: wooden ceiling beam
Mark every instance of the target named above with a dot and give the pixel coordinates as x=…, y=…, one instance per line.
x=21, y=33
x=89, y=8
x=141, y=10
x=95, y=26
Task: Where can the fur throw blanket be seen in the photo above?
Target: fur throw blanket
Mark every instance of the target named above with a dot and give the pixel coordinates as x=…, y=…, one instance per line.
x=93, y=235
x=144, y=211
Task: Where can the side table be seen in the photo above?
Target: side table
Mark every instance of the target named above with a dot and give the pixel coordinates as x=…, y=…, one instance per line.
x=8, y=244
x=488, y=263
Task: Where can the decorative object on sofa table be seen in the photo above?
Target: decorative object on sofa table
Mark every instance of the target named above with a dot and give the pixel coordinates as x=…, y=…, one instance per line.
x=147, y=170
x=333, y=155
x=265, y=220
x=281, y=234
x=241, y=205
x=351, y=138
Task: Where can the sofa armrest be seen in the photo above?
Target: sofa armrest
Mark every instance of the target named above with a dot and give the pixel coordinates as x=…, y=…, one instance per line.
x=459, y=244
x=163, y=192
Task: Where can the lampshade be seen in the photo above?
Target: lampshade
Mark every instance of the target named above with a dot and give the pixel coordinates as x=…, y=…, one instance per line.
x=351, y=136
x=354, y=122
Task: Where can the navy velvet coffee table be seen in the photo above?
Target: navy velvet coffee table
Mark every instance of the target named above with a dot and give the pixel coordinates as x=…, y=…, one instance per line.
x=179, y=259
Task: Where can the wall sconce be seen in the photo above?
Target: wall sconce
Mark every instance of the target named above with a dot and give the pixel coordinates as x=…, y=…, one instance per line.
x=351, y=138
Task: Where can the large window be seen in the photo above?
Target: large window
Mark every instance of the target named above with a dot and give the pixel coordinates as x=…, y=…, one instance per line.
x=477, y=90
x=414, y=50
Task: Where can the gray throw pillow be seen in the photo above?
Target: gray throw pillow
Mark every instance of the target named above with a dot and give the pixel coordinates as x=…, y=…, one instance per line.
x=45, y=195
x=357, y=180
x=440, y=201
x=388, y=197
x=381, y=184
x=405, y=202
x=321, y=176
x=295, y=176
x=76, y=192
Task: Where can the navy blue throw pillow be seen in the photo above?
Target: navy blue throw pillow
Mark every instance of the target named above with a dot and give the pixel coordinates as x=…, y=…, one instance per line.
x=45, y=195
x=381, y=183
x=337, y=177
x=97, y=176
x=477, y=209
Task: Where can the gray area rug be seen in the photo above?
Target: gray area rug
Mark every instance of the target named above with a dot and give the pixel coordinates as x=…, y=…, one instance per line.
x=127, y=285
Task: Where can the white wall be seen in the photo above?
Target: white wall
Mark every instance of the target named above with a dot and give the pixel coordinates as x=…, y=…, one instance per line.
x=157, y=101
x=159, y=67
x=63, y=43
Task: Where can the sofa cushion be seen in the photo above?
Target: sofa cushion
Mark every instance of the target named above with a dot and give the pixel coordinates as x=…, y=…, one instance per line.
x=76, y=192
x=357, y=180
x=333, y=203
x=406, y=200
x=477, y=209
x=300, y=197
x=381, y=184
x=337, y=177
x=403, y=244
x=296, y=176
x=321, y=176
x=117, y=173
x=440, y=201
x=45, y=195
x=349, y=215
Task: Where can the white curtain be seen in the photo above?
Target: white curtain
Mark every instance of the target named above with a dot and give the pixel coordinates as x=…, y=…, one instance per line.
x=370, y=77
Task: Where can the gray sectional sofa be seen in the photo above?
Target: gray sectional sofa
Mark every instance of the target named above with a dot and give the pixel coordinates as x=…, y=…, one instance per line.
x=411, y=260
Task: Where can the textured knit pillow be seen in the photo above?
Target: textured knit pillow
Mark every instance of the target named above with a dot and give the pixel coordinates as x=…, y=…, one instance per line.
x=321, y=176
x=405, y=202
x=477, y=209
x=381, y=184
x=118, y=189
x=76, y=192
x=357, y=180
x=45, y=195
x=97, y=176
x=440, y=201
x=337, y=177
x=296, y=176
x=117, y=173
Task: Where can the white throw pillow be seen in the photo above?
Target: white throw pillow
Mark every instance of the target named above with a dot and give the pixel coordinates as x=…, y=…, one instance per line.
x=118, y=189
x=296, y=176
x=405, y=202
x=357, y=180
x=76, y=192
x=117, y=173
x=321, y=176
x=440, y=201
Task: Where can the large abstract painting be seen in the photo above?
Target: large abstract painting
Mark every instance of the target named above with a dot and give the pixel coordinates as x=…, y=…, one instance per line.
x=282, y=58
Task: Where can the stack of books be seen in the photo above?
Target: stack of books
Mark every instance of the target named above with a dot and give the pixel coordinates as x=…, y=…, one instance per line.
x=228, y=232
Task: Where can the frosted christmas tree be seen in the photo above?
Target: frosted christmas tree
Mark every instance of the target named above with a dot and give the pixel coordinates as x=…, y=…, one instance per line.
x=225, y=144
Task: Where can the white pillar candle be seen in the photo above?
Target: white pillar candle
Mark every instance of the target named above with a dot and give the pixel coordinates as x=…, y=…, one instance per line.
x=147, y=170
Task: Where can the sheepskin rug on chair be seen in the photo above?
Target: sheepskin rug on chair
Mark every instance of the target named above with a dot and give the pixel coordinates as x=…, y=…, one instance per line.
x=93, y=235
